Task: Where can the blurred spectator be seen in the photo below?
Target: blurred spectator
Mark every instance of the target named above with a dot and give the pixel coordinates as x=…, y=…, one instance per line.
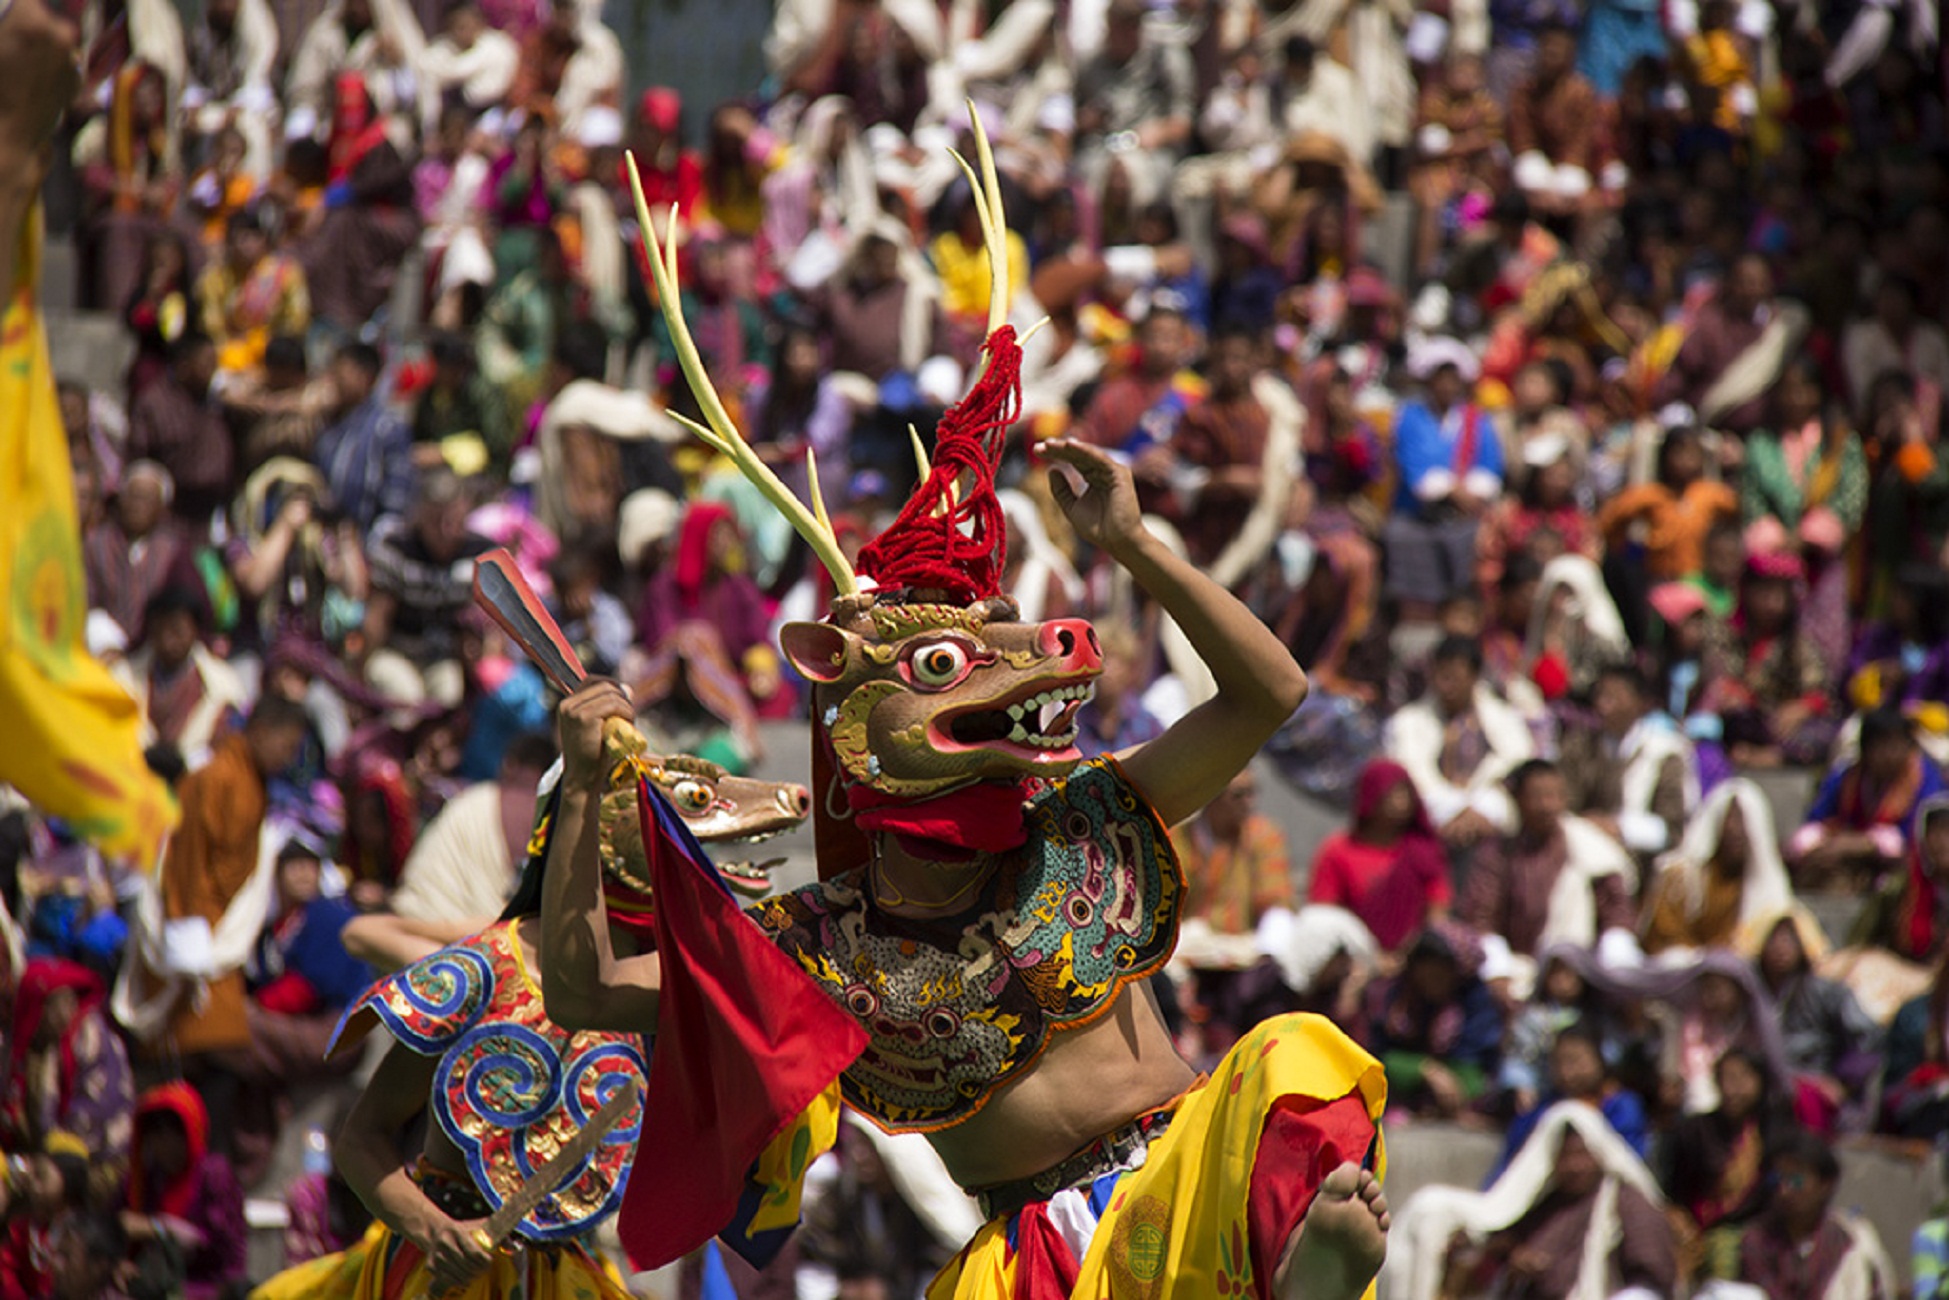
x=1895, y=338
x=1735, y=350
x=1578, y=1072
x=279, y=409
x=187, y=693
x=1436, y=1027
x=1577, y=1212
x=1830, y=1042
x=1662, y=525
x=175, y=424
x=1628, y=769
x=1134, y=108
x=68, y=1075
x=470, y=60
x=1553, y=122
x=1236, y=865
x=1800, y=1246
x=1389, y=867
x=1558, y=879
x=1459, y=743
x=1909, y=915
x=1717, y=1174
x=1722, y=877
x=251, y=293
x=1449, y=459
x=185, y=1212
x=137, y=550
x=1118, y=719
x=365, y=453
x=211, y=857
x=1764, y=673
x=1863, y=819
x=422, y=580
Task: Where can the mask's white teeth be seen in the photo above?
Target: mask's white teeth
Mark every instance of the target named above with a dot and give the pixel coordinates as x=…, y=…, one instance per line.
x=1020, y=734
x=1052, y=707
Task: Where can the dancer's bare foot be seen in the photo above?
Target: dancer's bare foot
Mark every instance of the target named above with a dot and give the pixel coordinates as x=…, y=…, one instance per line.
x=1338, y=1247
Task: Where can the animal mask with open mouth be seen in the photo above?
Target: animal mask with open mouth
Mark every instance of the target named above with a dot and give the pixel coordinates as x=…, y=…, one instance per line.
x=935, y=710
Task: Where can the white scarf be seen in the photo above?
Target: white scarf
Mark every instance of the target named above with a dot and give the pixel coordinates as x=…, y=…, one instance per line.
x=1303, y=942
x=1415, y=738
x=1593, y=615
x=1276, y=472
x=1418, y=1244
x=1765, y=889
x=1591, y=855
x=1646, y=748
x=187, y=954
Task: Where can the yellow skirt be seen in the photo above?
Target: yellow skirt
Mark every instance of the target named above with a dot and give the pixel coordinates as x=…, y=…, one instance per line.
x=384, y=1267
x=1180, y=1226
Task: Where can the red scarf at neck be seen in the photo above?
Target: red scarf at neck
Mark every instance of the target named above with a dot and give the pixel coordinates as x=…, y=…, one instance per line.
x=986, y=817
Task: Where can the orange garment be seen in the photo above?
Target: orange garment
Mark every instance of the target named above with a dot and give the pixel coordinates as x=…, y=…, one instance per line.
x=211, y=856
x=1230, y=886
x=1676, y=524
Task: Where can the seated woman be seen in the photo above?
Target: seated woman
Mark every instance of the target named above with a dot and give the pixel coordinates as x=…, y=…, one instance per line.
x=1436, y=1026
x=1907, y=915
x=1708, y=1008
x=1575, y=631
x=1389, y=868
x=1831, y=1044
x=181, y=1191
x=68, y=1072
x=1725, y=873
x=1915, y=1063
x=1863, y=818
x=1808, y=475
x=1578, y=1072
x=1904, y=658
x=1767, y=676
x=1716, y=1162
x=1575, y=1214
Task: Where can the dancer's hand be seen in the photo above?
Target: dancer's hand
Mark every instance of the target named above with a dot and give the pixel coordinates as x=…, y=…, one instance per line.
x=583, y=716
x=454, y=1254
x=1105, y=512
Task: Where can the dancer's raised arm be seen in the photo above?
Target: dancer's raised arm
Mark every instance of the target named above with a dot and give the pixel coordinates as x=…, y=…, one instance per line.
x=1259, y=684
x=585, y=982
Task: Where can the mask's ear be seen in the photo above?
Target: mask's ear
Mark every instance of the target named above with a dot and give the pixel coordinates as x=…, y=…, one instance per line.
x=820, y=651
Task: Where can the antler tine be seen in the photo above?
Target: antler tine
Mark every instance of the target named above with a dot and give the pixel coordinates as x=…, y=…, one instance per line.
x=722, y=435
x=920, y=454
x=812, y=490
x=994, y=219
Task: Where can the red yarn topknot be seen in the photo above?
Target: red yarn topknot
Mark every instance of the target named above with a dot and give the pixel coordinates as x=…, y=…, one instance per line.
x=948, y=540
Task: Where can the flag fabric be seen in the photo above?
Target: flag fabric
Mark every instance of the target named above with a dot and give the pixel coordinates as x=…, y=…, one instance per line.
x=746, y=1047
x=717, y=1278
x=72, y=740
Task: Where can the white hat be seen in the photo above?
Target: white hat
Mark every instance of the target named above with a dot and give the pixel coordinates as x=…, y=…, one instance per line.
x=601, y=126
x=647, y=516
x=1545, y=449
x=1430, y=355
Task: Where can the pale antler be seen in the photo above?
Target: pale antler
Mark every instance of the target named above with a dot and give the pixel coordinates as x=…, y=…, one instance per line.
x=994, y=221
x=722, y=435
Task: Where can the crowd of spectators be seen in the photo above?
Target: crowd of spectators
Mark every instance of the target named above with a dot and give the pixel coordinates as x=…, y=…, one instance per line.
x=1564, y=382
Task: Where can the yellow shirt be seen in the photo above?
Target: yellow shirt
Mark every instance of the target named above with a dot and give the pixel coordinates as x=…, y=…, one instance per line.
x=964, y=273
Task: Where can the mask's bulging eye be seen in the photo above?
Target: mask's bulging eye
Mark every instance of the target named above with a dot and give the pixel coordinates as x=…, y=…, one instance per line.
x=940, y=664
x=692, y=796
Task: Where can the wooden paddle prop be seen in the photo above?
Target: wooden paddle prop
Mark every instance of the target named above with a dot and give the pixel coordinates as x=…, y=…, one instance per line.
x=506, y=597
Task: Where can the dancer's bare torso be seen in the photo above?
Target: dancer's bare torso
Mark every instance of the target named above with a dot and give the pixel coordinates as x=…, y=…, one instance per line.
x=1088, y=1082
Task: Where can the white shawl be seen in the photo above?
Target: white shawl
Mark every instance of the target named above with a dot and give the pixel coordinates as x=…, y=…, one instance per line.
x=459, y=867
x=185, y=955
x=1596, y=625
x=1765, y=890
x=626, y=416
x=1303, y=942
x=1414, y=740
x=594, y=75
x=1651, y=743
x=1276, y=473
x=484, y=71
x=1418, y=1244
x=1572, y=915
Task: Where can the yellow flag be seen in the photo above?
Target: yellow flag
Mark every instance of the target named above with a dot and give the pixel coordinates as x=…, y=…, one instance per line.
x=69, y=736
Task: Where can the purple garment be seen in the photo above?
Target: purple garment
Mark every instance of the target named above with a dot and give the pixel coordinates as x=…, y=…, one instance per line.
x=534, y=207
x=216, y=1209
x=731, y=605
